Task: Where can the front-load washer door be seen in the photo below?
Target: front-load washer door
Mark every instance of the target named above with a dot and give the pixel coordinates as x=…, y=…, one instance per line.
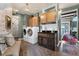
x=24, y=31
x=30, y=32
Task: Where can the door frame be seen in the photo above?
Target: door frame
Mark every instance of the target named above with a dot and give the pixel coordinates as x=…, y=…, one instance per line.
x=59, y=22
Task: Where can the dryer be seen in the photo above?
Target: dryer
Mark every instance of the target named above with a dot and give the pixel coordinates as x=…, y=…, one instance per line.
x=33, y=35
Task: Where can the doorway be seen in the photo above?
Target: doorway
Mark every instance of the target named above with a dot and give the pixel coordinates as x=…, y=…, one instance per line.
x=69, y=23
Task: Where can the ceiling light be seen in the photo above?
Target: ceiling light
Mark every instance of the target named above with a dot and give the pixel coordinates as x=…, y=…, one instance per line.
x=60, y=11
x=42, y=16
x=27, y=4
x=27, y=9
x=16, y=10
x=43, y=11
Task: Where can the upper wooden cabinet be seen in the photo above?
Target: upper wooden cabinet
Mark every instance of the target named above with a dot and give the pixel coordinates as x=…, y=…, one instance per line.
x=51, y=16
x=48, y=17
x=33, y=21
x=43, y=18
x=30, y=22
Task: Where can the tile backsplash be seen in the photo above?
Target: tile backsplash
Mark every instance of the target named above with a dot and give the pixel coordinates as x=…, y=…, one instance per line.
x=48, y=27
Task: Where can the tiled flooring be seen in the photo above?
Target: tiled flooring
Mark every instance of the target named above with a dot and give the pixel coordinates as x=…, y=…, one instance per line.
x=28, y=49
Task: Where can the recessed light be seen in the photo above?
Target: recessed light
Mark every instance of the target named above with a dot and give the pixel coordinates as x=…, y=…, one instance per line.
x=43, y=11
x=16, y=10
x=27, y=9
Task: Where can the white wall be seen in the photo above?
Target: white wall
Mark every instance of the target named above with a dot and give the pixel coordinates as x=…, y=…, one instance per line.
x=3, y=13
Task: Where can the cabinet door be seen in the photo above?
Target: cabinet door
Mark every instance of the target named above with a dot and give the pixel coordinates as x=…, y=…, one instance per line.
x=39, y=40
x=51, y=44
x=35, y=21
x=51, y=16
x=43, y=18
x=30, y=22
x=45, y=41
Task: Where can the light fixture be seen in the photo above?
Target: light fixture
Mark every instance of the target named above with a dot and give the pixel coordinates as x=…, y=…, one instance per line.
x=16, y=10
x=26, y=9
x=27, y=4
x=43, y=11
x=42, y=16
x=60, y=11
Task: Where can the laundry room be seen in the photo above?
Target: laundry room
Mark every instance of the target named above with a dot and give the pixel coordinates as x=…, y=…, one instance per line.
x=39, y=29
x=53, y=25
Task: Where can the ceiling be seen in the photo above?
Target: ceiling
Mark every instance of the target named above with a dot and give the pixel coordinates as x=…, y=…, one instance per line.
x=36, y=7
x=66, y=5
x=32, y=8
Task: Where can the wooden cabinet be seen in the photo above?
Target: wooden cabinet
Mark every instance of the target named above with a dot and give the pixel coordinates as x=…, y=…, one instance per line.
x=48, y=17
x=51, y=16
x=33, y=21
x=30, y=22
x=48, y=40
x=43, y=18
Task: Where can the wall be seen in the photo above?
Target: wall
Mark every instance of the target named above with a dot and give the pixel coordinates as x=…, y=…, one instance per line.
x=26, y=18
x=15, y=26
x=3, y=13
x=20, y=25
x=23, y=22
x=5, y=5
x=71, y=8
x=2, y=22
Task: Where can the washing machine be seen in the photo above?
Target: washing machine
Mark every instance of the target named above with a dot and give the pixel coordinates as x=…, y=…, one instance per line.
x=25, y=34
x=33, y=35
